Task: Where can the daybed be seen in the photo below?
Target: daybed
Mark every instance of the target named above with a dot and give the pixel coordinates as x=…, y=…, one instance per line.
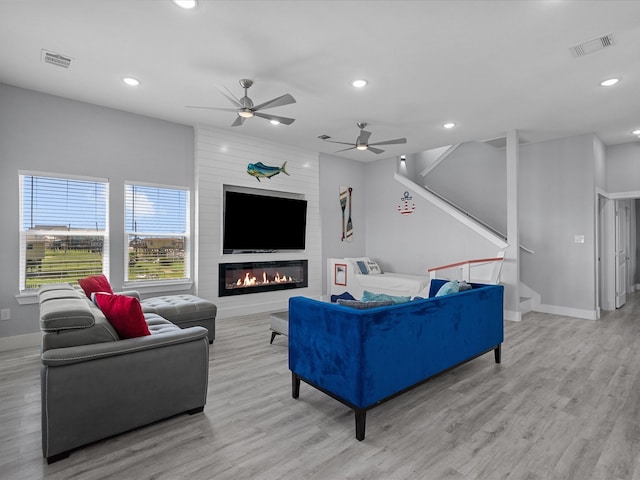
x=363, y=357
x=346, y=275
x=95, y=384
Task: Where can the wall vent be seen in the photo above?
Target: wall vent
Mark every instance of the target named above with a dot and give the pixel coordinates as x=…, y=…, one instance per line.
x=55, y=59
x=593, y=45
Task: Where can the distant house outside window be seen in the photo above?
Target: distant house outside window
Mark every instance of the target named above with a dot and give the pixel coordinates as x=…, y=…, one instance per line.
x=157, y=233
x=63, y=229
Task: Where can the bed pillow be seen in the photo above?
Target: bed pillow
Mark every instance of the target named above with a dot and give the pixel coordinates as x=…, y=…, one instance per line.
x=382, y=297
x=363, y=305
x=95, y=283
x=354, y=263
x=124, y=314
x=447, y=288
x=363, y=267
x=373, y=268
x=464, y=286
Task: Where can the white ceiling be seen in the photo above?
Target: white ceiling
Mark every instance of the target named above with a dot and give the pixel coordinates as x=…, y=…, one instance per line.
x=489, y=66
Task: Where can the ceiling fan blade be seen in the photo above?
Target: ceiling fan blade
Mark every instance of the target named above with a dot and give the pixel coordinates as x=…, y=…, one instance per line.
x=285, y=120
x=344, y=150
x=363, y=138
x=232, y=98
x=390, y=142
x=212, y=108
x=238, y=121
x=375, y=150
x=341, y=143
x=276, y=102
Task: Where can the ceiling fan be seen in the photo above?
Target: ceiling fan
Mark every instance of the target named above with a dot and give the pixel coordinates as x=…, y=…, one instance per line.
x=246, y=109
x=362, y=141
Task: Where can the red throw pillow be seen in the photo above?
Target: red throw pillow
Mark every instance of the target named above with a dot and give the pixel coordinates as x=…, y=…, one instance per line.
x=95, y=283
x=124, y=313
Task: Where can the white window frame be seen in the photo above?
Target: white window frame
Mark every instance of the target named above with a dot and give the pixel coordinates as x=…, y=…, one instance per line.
x=24, y=233
x=136, y=283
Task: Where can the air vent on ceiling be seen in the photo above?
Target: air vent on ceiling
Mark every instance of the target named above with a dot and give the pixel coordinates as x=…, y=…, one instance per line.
x=593, y=45
x=323, y=137
x=55, y=59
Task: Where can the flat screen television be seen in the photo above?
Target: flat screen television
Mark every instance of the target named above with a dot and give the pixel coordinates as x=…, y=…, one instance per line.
x=263, y=223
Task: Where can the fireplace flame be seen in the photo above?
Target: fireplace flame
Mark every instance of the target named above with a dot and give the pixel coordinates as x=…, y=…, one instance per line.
x=249, y=280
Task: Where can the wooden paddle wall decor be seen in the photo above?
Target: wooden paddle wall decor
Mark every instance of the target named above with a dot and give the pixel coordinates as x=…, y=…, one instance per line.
x=345, y=197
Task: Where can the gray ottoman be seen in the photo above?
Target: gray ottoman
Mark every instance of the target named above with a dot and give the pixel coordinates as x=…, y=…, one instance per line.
x=279, y=324
x=184, y=311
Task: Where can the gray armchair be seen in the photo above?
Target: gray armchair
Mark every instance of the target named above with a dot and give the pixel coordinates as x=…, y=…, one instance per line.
x=95, y=385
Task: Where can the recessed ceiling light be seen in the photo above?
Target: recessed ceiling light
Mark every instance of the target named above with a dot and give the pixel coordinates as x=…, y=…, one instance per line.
x=636, y=132
x=449, y=125
x=609, y=82
x=133, y=82
x=274, y=122
x=186, y=3
x=359, y=83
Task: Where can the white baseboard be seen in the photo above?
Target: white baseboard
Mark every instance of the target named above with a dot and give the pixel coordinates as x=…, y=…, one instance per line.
x=567, y=312
x=20, y=341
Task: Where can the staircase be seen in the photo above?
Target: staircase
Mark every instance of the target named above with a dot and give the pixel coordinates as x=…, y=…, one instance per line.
x=483, y=270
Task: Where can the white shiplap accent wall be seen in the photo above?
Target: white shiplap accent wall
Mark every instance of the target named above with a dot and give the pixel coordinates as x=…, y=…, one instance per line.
x=221, y=159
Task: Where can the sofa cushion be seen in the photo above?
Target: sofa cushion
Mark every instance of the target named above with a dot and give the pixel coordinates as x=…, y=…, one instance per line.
x=342, y=296
x=364, y=305
x=95, y=283
x=447, y=288
x=368, y=296
x=64, y=314
x=124, y=313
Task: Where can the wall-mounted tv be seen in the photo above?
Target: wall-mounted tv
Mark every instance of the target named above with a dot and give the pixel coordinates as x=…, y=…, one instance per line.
x=256, y=222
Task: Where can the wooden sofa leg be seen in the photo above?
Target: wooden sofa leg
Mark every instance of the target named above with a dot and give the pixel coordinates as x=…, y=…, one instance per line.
x=295, y=385
x=497, y=353
x=361, y=419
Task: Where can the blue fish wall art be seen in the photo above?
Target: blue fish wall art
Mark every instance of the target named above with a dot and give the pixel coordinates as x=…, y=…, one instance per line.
x=259, y=170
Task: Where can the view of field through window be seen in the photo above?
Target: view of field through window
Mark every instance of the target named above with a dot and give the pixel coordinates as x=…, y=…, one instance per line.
x=64, y=231
x=156, y=222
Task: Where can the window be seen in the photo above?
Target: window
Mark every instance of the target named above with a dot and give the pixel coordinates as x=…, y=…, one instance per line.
x=157, y=233
x=63, y=229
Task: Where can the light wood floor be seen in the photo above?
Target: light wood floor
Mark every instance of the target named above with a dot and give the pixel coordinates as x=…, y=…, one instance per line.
x=564, y=403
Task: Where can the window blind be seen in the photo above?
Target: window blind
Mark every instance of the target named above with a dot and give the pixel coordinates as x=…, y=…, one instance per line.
x=157, y=227
x=63, y=229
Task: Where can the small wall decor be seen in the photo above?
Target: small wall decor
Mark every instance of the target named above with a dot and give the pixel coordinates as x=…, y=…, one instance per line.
x=259, y=170
x=406, y=206
x=347, y=224
x=340, y=275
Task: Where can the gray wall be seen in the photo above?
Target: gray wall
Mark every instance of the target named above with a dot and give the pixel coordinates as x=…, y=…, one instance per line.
x=334, y=173
x=45, y=133
x=418, y=241
x=400, y=243
x=623, y=168
x=557, y=202
x=474, y=178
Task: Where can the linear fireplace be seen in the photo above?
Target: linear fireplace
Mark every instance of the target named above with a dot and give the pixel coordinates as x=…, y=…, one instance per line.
x=254, y=277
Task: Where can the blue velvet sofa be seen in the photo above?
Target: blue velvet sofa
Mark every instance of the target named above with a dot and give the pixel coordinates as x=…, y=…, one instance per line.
x=362, y=357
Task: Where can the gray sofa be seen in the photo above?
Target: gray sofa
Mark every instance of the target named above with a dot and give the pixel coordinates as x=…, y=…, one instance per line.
x=95, y=385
